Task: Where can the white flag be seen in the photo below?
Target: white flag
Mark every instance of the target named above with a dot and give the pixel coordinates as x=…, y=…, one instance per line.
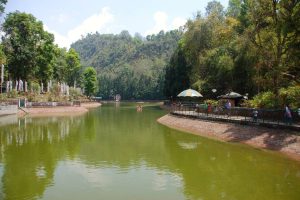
x=2, y=73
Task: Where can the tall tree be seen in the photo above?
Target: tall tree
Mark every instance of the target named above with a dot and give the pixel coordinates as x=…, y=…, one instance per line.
x=178, y=75
x=2, y=55
x=274, y=30
x=60, y=65
x=45, y=58
x=215, y=8
x=234, y=8
x=2, y=3
x=90, y=81
x=73, y=67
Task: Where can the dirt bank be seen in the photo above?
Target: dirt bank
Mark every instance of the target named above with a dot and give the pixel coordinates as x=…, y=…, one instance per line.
x=287, y=142
x=91, y=105
x=59, y=110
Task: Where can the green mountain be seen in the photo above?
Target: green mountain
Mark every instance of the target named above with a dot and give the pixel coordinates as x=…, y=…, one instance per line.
x=133, y=67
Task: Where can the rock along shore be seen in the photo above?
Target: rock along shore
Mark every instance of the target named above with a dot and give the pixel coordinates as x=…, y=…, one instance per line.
x=284, y=141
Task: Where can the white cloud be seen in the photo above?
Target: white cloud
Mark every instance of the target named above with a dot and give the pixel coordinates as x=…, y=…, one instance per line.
x=61, y=18
x=161, y=23
x=177, y=22
x=160, y=181
x=160, y=19
x=61, y=40
x=97, y=177
x=2, y=33
x=96, y=22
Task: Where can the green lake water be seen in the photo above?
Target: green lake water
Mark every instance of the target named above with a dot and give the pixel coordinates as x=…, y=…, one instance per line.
x=114, y=152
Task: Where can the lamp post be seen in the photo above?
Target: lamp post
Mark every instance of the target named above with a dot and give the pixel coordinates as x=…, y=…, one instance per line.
x=214, y=91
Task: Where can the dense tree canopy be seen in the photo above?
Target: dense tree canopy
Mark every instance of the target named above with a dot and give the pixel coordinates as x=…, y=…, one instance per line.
x=30, y=55
x=251, y=47
x=28, y=48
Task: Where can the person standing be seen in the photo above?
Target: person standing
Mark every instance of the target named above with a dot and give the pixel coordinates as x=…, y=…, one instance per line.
x=288, y=115
x=228, y=107
x=209, y=108
x=255, y=114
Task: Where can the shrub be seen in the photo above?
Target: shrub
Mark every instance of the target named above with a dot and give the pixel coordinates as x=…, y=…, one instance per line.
x=50, y=98
x=246, y=103
x=264, y=100
x=3, y=97
x=64, y=98
x=74, y=94
x=55, y=90
x=12, y=94
x=32, y=97
x=291, y=96
x=211, y=101
x=35, y=87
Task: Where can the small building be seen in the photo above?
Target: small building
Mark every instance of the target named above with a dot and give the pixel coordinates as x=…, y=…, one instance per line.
x=117, y=97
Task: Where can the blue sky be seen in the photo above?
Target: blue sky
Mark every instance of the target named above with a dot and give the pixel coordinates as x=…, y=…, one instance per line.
x=68, y=20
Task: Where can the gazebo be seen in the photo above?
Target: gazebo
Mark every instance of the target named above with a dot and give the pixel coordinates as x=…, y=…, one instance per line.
x=233, y=97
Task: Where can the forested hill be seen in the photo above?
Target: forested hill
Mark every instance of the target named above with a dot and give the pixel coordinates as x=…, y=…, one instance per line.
x=131, y=66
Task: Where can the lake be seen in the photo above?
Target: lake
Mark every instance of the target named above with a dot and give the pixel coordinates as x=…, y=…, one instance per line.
x=115, y=152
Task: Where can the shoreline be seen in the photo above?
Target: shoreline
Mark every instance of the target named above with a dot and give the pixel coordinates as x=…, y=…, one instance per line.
x=283, y=141
x=58, y=110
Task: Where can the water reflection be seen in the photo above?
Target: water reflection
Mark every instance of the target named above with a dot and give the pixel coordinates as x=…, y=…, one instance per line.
x=8, y=119
x=118, y=149
x=213, y=170
x=30, y=151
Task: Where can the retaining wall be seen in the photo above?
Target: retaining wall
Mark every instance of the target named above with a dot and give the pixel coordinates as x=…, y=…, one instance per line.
x=8, y=109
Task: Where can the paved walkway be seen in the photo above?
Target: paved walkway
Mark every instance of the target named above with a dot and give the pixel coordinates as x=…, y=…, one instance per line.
x=237, y=119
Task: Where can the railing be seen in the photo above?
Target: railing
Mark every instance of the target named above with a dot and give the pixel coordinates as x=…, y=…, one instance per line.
x=76, y=103
x=236, y=114
x=47, y=104
x=9, y=102
x=27, y=104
